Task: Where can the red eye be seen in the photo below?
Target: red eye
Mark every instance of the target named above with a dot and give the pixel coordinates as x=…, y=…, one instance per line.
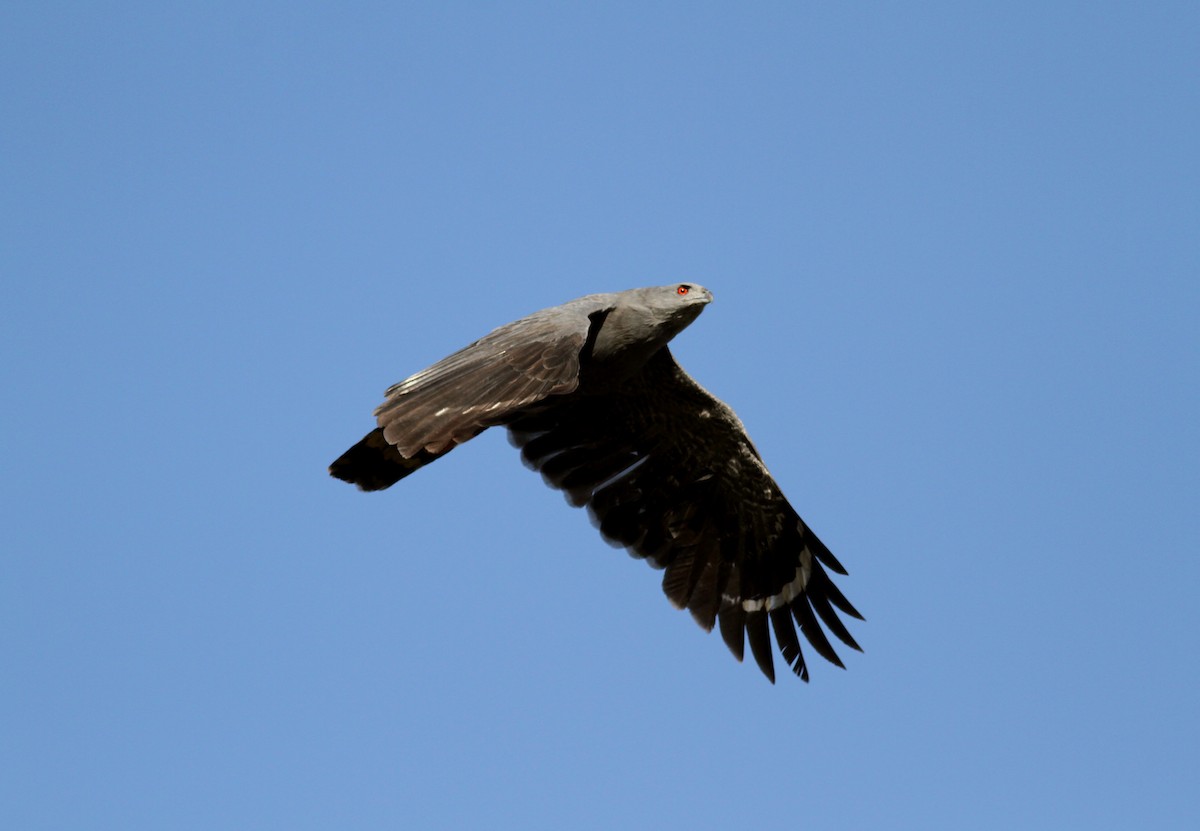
x=683, y=289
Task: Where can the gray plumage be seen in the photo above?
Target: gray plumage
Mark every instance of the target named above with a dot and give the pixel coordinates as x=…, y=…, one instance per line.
x=591, y=395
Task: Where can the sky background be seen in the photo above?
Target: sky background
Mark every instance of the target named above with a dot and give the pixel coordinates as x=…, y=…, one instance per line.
x=955, y=249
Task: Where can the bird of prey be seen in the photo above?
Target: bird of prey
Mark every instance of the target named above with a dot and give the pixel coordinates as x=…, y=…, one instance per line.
x=593, y=398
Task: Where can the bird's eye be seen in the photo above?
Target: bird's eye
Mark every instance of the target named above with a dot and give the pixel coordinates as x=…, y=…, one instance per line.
x=683, y=290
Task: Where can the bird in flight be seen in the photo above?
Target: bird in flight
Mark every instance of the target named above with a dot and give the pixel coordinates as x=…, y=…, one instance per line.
x=593, y=398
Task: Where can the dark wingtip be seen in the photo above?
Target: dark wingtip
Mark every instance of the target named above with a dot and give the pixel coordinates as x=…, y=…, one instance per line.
x=758, y=634
x=733, y=629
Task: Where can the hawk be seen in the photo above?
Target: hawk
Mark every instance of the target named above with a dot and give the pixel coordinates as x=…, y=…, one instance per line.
x=590, y=393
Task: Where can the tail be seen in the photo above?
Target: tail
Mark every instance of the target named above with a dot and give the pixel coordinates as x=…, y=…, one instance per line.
x=373, y=464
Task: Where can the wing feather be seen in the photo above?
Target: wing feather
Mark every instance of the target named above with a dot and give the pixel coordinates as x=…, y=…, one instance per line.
x=485, y=383
x=760, y=642
x=789, y=644
x=803, y=614
x=667, y=471
x=732, y=619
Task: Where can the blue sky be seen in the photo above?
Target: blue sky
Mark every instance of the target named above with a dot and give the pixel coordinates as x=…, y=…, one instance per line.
x=955, y=250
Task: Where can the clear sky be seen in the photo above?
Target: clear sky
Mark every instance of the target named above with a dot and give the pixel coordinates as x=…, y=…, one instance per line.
x=955, y=249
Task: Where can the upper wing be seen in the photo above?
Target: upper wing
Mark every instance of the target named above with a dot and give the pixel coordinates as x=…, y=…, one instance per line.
x=486, y=382
x=668, y=471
